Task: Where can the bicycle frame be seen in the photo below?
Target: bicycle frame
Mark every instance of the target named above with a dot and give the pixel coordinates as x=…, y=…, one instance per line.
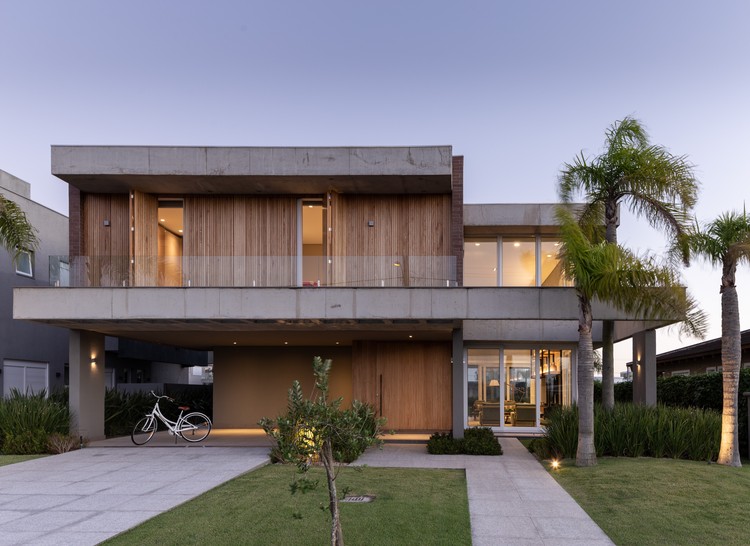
x=192, y=426
x=172, y=426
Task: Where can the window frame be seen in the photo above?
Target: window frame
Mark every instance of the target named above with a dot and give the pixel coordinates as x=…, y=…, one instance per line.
x=30, y=259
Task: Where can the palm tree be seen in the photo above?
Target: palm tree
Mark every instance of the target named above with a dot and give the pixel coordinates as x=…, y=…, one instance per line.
x=649, y=180
x=611, y=274
x=17, y=235
x=726, y=242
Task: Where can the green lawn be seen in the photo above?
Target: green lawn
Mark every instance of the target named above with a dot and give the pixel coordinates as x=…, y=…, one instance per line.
x=412, y=506
x=663, y=501
x=10, y=459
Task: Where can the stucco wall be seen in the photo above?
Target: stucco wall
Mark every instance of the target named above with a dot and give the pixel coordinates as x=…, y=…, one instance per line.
x=252, y=382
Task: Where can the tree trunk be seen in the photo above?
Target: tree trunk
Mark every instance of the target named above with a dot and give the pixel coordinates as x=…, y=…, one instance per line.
x=326, y=455
x=586, y=453
x=731, y=353
x=608, y=326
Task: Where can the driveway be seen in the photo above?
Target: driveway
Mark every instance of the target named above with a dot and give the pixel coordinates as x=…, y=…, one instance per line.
x=84, y=497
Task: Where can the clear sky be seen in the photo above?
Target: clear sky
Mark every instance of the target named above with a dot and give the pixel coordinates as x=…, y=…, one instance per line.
x=518, y=88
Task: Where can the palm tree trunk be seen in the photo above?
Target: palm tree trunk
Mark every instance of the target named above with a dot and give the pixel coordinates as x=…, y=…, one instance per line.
x=586, y=453
x=326, y=455
x=608, y=326
x=731, y=353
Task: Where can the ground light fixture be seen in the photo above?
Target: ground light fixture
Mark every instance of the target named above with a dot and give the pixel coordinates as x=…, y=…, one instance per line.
x=555, y=464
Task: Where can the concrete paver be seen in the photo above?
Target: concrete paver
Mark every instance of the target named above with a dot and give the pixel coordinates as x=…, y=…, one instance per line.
x=84, y=497
x=87, y=496
x=512, y=498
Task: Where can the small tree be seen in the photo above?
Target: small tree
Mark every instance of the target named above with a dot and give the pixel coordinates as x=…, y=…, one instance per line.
x=318, y=428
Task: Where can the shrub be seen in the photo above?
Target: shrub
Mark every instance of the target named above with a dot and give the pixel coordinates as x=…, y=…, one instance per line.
x=27, y=420
x=123, y=409
x=476, y=441
x=481, y=441
x=631, y=430
x=62, y=443
x=703, y=391
x=361, y=415
x=443, y=443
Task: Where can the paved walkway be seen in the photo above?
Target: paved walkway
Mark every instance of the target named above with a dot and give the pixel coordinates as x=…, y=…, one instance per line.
x=512, y=498
x=87, y=496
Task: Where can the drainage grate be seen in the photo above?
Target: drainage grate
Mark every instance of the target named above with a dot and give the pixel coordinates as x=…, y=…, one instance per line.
x=359, y=498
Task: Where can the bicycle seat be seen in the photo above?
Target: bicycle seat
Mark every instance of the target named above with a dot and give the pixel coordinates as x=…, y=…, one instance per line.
x=183, y=408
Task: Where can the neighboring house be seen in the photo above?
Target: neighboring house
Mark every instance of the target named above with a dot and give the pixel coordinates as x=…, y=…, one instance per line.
x=442, y=315
x=32, y=356
x=700, y=358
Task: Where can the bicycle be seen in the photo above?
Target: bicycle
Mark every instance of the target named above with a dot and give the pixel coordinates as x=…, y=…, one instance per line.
x=193, y=427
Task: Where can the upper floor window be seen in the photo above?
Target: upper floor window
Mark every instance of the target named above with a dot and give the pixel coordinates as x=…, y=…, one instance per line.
x=25, y=263
x=513, y=261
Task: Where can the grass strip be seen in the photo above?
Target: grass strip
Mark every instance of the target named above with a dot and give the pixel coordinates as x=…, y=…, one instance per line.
x=643, y=501
x=11, y=459
x=411, y=506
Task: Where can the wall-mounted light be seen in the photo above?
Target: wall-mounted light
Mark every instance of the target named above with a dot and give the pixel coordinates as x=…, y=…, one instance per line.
x=396, y=264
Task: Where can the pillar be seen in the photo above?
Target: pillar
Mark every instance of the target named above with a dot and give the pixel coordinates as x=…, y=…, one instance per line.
x=86, y=360
x=644, y=368
x=457, y=366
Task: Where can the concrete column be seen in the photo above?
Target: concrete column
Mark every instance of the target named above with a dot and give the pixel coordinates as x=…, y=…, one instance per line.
x=86, y=359
x=644, y=368
x=459, y=403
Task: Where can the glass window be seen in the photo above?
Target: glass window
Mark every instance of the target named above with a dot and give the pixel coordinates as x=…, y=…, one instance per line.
x=519, y=261
x=24, y=264
x=483, y=387
x=552, y=274
x=480, y=262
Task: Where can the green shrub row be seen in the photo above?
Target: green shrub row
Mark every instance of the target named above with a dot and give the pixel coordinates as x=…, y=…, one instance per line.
x=476, y=441
x=698, y=391
x=28, y=420
x=632, y=430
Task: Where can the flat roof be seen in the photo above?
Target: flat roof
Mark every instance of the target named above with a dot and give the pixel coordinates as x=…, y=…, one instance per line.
x=254, y=170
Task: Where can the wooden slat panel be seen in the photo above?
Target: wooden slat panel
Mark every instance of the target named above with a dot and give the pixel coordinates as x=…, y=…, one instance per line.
x=105, y=248
x=240, y=240
x=145, y=239
x=408, y=230
x=416, y=382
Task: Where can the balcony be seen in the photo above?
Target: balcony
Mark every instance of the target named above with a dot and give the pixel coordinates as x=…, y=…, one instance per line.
x=253, y=271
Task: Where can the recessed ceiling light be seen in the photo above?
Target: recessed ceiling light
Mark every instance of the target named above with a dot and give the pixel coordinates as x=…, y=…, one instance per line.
x=179, y=230
x=477, y=244
x=286, y=343
x=337, y=343
x=549, y=255
x=557, y=244
x=309, y=206
x=516, y=244
x=161, y=219
x=234, y=343
x=410, y=336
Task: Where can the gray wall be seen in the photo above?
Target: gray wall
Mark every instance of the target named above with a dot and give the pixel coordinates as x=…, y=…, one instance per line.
x=21, y=340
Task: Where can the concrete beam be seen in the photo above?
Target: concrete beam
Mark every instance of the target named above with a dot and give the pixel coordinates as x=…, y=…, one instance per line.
x=89, y=305
x=243, y=170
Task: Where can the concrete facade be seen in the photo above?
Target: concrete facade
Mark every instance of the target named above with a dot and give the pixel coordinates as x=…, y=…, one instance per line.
x=28, y=342
x=248, y=328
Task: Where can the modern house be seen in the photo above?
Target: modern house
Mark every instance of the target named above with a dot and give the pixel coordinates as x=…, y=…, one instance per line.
x=704, y=357
x=33, y=356
x=440, y=314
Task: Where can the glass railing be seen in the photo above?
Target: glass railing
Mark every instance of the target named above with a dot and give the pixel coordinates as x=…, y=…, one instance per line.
x=253, y=271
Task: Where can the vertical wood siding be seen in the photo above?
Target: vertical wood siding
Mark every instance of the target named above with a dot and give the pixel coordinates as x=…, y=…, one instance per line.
x=145, y=239
x=416, y=382
x=105, y=256
x=408, y=230
x=240, y=240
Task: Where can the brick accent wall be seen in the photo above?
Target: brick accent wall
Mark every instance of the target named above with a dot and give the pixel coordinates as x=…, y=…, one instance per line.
x=75, y=227
x=457, y=216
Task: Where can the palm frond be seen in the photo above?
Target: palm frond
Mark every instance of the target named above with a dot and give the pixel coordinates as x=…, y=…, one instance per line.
x=16, y=233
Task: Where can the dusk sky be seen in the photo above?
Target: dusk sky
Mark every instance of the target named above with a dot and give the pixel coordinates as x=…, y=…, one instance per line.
x=517, y=88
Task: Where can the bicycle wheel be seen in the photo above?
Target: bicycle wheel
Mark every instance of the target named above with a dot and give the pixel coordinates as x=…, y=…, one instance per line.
x=195, y=427
x=143, y=430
